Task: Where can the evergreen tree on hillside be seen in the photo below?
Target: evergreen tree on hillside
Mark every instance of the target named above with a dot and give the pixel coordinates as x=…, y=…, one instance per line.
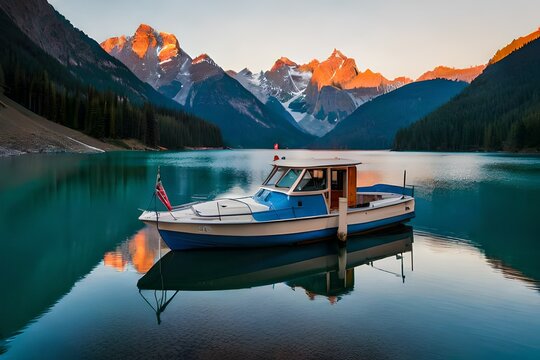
x=40, y=83
x=2, y=79
x=500, y=110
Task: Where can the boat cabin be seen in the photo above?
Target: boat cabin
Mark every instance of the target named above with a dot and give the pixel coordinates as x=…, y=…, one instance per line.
x=309, y=187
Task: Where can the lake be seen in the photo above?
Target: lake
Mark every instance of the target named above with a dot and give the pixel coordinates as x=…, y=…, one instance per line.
x=461, y=281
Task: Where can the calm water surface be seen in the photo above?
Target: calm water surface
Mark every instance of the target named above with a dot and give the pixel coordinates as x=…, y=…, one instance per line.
x=80, y=276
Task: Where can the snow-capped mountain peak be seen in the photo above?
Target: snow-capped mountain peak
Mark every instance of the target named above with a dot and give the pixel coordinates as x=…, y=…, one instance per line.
x=204, y=58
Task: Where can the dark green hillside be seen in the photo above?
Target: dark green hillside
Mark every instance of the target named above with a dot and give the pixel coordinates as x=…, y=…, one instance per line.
x=500, y=110
x=39, y=82
x=374, y=124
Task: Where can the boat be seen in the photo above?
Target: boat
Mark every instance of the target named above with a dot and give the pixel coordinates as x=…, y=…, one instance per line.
x=298, y=202
x=321, y=268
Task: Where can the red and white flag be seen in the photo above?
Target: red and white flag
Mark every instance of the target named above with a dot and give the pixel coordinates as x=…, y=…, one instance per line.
x=161, y=194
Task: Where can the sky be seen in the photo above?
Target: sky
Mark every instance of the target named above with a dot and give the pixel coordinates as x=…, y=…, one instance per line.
x=394, y=37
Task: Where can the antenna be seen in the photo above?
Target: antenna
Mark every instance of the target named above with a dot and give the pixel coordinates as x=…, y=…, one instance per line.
x=404, y=182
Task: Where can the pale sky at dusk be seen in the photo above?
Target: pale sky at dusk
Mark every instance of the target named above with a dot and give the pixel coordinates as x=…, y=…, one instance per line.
x=394, y=37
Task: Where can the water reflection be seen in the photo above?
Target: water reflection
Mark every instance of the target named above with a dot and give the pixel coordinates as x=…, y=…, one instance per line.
x=62, y=218
x=61, y=213
x=140, y=251
x=511, y=273
x=321, y=269
x=57, y=220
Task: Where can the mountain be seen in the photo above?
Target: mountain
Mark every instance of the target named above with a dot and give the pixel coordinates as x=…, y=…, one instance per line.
x=82, y=56
x=155, y=58
x=374, y=124
x=57, y=72
x=206, y=90
x=500, y=110
x=516, y=44
x=471, y=73
x=449, y=73
x=321, y=93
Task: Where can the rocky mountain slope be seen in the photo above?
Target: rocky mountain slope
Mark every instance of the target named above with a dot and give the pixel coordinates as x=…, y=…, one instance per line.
x=449, y=73
x=81, y=55
x=313, y=97
x=205, y=89
x=67, y=78
x=321, y=93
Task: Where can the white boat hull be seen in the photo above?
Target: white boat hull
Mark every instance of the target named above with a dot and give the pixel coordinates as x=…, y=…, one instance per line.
x=186, y=231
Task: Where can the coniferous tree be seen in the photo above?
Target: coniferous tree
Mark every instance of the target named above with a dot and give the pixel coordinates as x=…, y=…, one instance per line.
x=43, y=86
x=2, y=79
x=500, y=110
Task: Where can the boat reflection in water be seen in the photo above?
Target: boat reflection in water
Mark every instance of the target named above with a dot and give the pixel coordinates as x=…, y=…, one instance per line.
x=323, y=268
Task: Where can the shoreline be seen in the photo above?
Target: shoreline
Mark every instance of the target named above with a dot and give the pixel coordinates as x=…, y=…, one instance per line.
x=23, y=132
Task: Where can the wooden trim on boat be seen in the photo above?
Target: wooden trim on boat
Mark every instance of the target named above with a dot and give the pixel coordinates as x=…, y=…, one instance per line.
x=351, y=186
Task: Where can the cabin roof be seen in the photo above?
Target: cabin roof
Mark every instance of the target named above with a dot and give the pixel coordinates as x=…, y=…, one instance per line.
x=314, y=163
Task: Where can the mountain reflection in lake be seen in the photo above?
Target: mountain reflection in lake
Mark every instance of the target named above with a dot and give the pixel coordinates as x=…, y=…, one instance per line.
x=76, y=266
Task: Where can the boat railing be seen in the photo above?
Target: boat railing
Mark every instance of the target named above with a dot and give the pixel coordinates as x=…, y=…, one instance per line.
x=220, y=215
x=278, y=212
x=185, y=206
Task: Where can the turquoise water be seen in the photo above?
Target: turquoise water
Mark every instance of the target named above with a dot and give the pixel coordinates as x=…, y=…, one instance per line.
x=73, y=253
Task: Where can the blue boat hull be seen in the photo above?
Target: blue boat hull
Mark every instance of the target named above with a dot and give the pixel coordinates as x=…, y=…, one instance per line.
x=184, y=241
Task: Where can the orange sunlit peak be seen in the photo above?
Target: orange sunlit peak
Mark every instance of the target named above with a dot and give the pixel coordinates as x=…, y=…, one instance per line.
x=143, y=39
x=170, y=46
x=144, y=28
x=283, y=61
x=338, y=53
x=114, y=42
x=310, y=66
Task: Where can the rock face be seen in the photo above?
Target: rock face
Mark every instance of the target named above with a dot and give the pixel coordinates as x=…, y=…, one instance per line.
x=114, y=42
x=338, y=87
x=448, y=73
x=155, y=57
x=318, y=94
x=51, y=32
x=246, y=119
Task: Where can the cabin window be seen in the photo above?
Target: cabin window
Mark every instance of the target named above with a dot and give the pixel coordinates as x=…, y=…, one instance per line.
x=275, y=176
x=313, y=180
x=289, y=178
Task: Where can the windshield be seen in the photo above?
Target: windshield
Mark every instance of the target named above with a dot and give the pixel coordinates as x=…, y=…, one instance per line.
x=289, y=178
x=313, y=180
x=275, y=175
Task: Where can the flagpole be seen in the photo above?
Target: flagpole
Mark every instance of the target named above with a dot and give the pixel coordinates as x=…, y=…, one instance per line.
x=162, y=195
